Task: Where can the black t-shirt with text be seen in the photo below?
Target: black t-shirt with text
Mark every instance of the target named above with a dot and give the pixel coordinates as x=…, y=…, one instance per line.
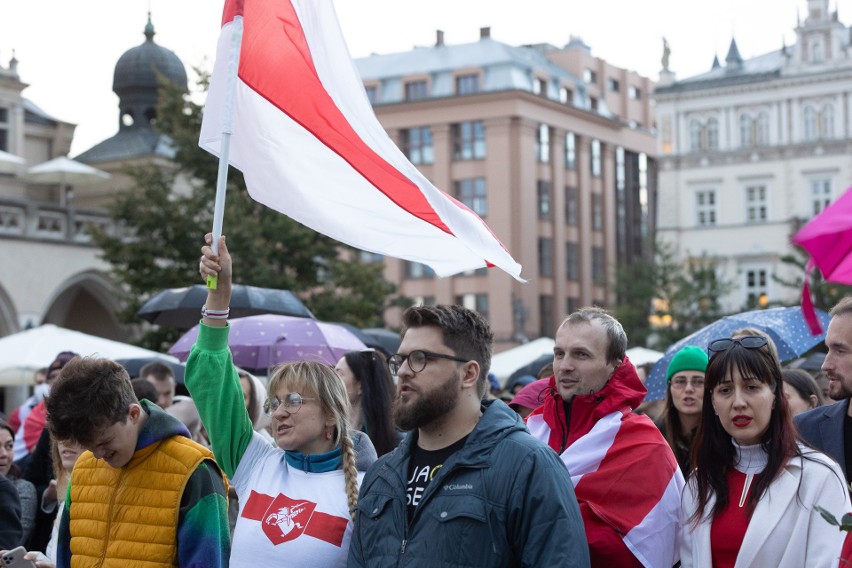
x=422, y=468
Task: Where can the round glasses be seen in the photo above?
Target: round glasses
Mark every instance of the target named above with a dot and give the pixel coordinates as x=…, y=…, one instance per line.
x=417, y=360
x=292, y=403
x=747, y=341
x=682, y=382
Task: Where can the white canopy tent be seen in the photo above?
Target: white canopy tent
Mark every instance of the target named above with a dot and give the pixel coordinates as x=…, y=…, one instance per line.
x=642, y=355
x=25, y=352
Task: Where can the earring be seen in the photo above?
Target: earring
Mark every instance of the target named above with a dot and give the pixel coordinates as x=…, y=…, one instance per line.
x=328, y=434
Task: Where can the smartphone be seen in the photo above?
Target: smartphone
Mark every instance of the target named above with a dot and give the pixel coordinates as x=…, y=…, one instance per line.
x=15, y=559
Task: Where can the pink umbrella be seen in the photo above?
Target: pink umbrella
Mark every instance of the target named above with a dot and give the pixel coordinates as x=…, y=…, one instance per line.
x=828, y=239
x=258, y=343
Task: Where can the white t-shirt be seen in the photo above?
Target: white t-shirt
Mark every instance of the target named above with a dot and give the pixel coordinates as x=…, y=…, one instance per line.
x=287, y=515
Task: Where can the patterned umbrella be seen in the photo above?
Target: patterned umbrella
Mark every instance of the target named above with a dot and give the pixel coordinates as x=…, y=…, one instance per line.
x=786, y=327
x=258, y=343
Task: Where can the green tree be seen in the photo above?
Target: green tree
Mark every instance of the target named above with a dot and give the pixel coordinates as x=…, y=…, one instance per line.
x=160, y=244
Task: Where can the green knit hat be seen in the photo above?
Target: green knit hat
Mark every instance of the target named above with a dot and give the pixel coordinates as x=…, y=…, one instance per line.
x=690, y=358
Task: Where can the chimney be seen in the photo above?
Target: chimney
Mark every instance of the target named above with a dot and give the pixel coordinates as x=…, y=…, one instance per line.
x=439, y=38
x=484, y=32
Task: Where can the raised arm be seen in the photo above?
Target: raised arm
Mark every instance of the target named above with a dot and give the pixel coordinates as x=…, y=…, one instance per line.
x=210, y=374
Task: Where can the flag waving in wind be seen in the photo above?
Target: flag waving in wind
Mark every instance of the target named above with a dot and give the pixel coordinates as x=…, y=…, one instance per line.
x=304, y=135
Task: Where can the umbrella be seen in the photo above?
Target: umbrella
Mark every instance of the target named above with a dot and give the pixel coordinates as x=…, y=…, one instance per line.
x=828, y=239
x=642, y=356
x=134, y=365
x=812, y=362
x=507, y=362
x=9, y=163
x=382, y=339
x=23, y=353
x=531, y=369
x=181, y=307
x=65, y=171
x=261, y=342
x=786, y=327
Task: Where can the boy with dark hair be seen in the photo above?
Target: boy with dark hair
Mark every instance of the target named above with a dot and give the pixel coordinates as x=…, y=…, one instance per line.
x=143, y=490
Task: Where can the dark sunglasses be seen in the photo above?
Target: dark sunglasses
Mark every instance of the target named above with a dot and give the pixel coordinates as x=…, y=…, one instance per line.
x=748, y=341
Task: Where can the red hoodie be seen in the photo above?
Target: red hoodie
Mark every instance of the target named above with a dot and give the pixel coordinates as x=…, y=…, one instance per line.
x=625, y=476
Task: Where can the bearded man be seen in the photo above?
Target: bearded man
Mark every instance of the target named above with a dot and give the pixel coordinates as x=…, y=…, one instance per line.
x=468, y=486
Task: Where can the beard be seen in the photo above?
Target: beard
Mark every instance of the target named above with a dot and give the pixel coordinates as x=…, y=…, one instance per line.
x=838, y=388
x=429, y=406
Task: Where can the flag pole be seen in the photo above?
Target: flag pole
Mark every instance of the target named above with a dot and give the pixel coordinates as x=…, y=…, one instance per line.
x=225, y=144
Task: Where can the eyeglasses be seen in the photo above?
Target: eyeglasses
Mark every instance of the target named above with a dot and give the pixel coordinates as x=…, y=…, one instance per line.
x=292, y=403
x=417, y=360
x=748, y=341
x=681, y=382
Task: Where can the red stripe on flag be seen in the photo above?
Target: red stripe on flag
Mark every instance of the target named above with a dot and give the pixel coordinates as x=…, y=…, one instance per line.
x=327, y=527
x=232, y=9
x=638, y=457
x=256, y=506
x=275, y=62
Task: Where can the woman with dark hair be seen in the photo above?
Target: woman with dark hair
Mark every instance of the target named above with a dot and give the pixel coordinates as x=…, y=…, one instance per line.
x=684, y=396
x=370, y=389
x=753, y=496
x=26, y=490
x=802, y=391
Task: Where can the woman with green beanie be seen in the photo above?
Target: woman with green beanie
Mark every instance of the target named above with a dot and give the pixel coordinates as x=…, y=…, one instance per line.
x=684, y=397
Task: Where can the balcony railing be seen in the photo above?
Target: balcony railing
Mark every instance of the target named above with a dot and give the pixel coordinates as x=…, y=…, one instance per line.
x=44, y=222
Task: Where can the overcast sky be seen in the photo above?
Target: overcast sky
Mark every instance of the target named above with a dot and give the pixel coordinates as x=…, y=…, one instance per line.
x=67, y=51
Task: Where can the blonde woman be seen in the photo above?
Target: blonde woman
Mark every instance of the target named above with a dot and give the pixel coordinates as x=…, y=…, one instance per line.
x=296, y=499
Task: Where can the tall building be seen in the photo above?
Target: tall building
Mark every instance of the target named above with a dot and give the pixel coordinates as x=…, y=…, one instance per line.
x=752, y=149
x=552, y=147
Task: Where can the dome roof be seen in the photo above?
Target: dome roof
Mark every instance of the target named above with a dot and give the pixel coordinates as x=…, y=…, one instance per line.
x=135, y=69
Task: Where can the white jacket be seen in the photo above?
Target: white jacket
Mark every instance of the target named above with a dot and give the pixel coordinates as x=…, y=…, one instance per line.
x=785, y=530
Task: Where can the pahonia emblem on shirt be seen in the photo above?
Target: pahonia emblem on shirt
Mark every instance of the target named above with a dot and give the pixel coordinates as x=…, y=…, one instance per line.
x=284, y=519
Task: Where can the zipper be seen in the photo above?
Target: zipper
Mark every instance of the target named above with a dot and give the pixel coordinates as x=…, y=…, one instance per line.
x=109, y=517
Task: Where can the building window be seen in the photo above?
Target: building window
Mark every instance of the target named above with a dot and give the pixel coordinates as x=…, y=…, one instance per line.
x=614, y=85
x=597, y=212
x=755, y=197
x=593, y=103
x=572, y=305
x=695, y=135
x=416, y=90
x=598, y=265
x=468, y=140
x=476, y=272
x=705, y=207
x=712, y=133
x=416, y=270
x=570, y=151
x=817, y=52
x=572, y=262
x=590, y=76
x=467, y=84
x=476, y=302
x=566, y=96
x=545, y=257
x=545, y=209
x=595, y=157
x=572, y=205
x=473, y=193
x=417, y=145
x=372, y=94
x=634, y=93
x=542, y=144
x=540, y=87
x=4, y=129
x=746, y=131
x=811, y=131
x=547, y=327
x=756, y=285
x=826, y=122
x=762, y=136
x=423, y=300
x=367, y=257
x=821, y=192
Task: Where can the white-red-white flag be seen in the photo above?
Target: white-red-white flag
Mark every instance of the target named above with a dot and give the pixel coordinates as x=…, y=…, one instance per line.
x=309, y=145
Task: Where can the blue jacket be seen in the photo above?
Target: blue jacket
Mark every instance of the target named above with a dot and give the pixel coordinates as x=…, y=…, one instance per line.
x=822, y=428
x=504, y=499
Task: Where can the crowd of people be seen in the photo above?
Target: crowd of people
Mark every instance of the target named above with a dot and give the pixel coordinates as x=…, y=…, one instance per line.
x=413, y=458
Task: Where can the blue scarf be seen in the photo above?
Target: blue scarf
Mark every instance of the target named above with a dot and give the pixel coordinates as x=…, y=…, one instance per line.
x=315, y=463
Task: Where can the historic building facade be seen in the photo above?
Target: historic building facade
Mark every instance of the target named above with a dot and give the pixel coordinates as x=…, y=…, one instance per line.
x=752, y=149
x=552, y=147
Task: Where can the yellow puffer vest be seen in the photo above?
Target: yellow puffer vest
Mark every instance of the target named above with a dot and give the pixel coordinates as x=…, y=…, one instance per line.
x=128, y=517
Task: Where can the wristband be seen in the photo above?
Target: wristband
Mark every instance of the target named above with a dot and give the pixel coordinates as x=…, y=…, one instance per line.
x=215, y=314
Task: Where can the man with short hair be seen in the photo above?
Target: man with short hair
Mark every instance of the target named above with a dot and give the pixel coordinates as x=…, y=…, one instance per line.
x=143, y=490
x=468, y=486
x=623, y=472
x=829, y=428
x=161, y=376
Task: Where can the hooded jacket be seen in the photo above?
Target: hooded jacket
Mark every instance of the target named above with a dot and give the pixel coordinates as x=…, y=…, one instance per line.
x=501, y=500
x=624, y=474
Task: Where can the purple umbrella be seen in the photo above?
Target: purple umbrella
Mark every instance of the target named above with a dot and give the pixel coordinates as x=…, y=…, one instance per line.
x=261, y=342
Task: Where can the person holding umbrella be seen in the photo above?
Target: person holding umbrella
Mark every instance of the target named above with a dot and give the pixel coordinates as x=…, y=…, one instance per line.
x=754, y=495
x=684, y=395
x=297, y=498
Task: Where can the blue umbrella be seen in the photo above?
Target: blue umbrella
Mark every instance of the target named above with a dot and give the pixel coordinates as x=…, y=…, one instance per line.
x=786, y=327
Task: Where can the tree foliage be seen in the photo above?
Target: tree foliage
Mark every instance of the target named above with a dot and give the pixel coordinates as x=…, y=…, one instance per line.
x=160, y=246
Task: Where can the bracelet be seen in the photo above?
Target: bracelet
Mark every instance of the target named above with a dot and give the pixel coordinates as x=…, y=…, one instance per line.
x=215, y=314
